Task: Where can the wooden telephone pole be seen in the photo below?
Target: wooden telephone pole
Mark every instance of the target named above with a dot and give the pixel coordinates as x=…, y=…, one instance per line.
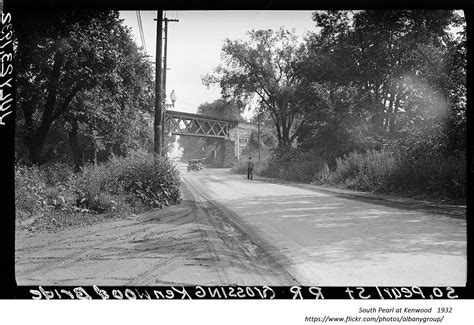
x=166, y=20
x=158, y=85
x=165, y=67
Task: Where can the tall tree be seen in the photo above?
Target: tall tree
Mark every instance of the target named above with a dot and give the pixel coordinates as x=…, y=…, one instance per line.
x=399, y=55
x=262, y=71
x=59, y=55
x=369, y=75
x=114, y=117
x=221, y=108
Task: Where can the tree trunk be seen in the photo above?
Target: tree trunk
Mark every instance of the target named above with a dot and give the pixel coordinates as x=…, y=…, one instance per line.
x=278, y=129
x=388, y=116
x=285, y=134
x=39, y=139
x=37, y=144
x=29, y=128
x=394, y=115
x=77, y=154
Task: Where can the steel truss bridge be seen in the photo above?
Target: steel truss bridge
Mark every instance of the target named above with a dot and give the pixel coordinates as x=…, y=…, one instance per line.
x=181, y=123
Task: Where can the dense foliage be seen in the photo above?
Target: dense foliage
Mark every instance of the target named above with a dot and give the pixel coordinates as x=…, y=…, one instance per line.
x=84, y=95
x=264, y=72
x=84, y=89
x=380, y=76
x=50, y=194
x=379, y=98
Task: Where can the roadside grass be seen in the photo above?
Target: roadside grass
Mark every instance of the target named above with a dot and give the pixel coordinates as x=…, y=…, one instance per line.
x=53, y=197
x=437, y=178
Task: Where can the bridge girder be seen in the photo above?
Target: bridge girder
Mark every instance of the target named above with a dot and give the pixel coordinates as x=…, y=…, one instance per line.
x=180, y=123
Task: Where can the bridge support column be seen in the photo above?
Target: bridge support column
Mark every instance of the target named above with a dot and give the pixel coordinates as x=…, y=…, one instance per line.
x=229, y=153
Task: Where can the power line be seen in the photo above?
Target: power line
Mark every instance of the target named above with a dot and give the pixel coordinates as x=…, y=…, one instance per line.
x=140, y=28
x=142, y=33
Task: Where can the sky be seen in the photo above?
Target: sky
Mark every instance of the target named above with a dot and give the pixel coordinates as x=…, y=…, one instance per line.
x=195, y=43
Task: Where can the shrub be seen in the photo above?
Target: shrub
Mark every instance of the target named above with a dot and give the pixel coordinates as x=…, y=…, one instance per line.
x=425, y=165
x=303, y=168
x=439, y=177
x=38, y=190
x=415, y=166
x=58, y=173
x=378, y=170
x=295, y=165
x=30, y=190
x=323, y=176
x=348, y=167
x=154, y=182
x=288, y=164
x=136, y=182
x=62, y=197
x=370, y=171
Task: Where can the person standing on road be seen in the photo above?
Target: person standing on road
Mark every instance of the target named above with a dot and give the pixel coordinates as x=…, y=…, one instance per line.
x=250, y=166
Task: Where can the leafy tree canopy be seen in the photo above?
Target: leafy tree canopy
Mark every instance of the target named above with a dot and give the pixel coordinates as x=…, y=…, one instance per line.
x=80, y=71
x=263, y=72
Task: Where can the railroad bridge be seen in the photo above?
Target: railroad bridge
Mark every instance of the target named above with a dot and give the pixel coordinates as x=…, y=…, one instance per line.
x=234, y=134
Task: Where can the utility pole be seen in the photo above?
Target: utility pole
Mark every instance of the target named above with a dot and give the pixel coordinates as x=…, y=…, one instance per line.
x=166, y=20
x=158, y=84
x=165, y=67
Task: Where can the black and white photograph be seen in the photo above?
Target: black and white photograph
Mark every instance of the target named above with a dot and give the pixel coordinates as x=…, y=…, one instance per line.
x=250, y=149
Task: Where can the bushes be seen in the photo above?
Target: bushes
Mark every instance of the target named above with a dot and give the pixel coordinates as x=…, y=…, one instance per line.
x=415, y=171
x=117, y=187
x=371, y=171
x=37, y=193
x=426, y=165
x=302, y=169
x=139, y=179
x=287, y=164
x=155, y=182
x=30, y=190
x=440, y=176
x=294, y=165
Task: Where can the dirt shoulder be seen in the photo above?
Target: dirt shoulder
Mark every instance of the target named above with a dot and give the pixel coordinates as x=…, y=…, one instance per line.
x=186, y=244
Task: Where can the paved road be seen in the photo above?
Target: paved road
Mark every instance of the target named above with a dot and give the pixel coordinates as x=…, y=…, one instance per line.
x=325, y=238
x=231, y=231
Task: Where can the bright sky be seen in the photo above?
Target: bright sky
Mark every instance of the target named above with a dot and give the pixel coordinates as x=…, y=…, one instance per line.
x=195, y=43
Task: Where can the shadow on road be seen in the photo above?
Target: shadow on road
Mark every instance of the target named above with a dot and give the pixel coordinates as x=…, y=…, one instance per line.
x=351, y=229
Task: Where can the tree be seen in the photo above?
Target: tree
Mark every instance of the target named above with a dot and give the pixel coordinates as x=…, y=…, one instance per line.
x=221, y=108
x=399, y=55
x=116, y=118
x=456, y=64
x=60, y=55
x=262, y=71
x=370, y=76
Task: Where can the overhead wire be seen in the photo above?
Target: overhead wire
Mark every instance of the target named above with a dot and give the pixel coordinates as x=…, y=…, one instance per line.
x=142, y=32
x=140, y=28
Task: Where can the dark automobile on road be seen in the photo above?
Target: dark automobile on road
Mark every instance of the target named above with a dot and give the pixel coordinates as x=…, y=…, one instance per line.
x=195, y=164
